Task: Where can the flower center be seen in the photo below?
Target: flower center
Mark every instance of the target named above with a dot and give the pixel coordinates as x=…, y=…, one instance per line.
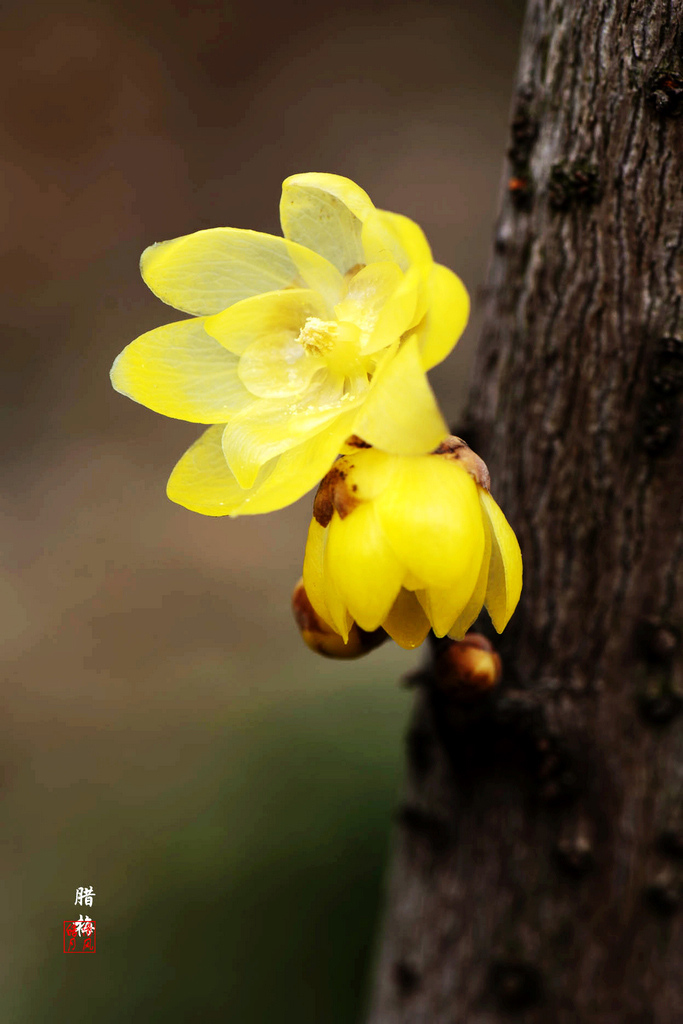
x=337, y=342
x=318, y=336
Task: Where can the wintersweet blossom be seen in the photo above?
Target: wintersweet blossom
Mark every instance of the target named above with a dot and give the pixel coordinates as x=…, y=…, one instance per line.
x=410, y=543
x=294, y=344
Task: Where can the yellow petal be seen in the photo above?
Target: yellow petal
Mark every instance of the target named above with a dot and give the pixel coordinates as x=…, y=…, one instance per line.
x=391, y=236
x=406, y=623
x=341, y=620
x=433, y=521
x=179, y=371
x=368, y=471
x=400, y=313
x=263, y=316
x=202, y=482
x=444, y=605
x=313, y=572
x=297, y=470
x=323, y=593
x=400, y=414
x=381, y=301
x=413, y=582
x=505, y=573
x=476, y=602
x=278, y=366
x=448, y=309
x=207, y=271
x=362, y=566
x=325, y=213
x=270, y=426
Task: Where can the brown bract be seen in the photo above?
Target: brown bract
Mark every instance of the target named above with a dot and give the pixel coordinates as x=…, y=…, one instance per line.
x=457, y=449
x=357, y=442
x=334, y=495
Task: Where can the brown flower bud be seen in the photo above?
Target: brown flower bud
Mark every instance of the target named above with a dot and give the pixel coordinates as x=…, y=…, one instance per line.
x=322, y=638
x=468, y=668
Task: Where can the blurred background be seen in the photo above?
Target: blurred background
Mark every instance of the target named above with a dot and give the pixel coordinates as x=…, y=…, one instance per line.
x=166, y=737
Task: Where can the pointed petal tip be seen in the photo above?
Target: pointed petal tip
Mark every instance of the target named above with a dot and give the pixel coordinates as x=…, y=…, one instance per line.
x=116, y=376
x=406, y=623
x=504, y=586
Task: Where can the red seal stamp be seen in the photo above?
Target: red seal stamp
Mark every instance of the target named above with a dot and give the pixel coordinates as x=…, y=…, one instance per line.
x=79, y=936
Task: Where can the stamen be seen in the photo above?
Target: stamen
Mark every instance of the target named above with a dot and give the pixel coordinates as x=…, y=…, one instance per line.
x=317, y=336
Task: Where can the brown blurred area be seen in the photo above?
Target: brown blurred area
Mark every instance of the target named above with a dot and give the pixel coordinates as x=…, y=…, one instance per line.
x=151, y=664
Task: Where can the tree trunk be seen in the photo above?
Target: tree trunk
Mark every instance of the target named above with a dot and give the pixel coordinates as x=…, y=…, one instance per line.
x=539, y=861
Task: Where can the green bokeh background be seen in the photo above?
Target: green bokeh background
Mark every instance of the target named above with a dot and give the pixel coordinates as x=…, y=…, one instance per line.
x=243, y=889
x=165, y=736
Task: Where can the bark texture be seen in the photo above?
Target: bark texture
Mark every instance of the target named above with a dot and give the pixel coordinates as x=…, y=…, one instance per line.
x=539, y=858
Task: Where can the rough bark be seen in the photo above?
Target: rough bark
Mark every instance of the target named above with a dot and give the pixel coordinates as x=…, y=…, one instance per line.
x=539, y=858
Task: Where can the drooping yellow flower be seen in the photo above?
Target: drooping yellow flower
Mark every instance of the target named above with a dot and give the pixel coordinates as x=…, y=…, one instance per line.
x=410, y=543
x=295, y=343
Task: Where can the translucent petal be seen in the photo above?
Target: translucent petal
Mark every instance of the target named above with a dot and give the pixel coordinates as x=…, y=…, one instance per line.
x=505, y=574
x=432, y=518
x=367, y=293
x=278, y=366
x=400, y=414
x=207, y=271
x=362, y=566
x=201, y=480
x=263, y=316
x=406, y=623
x=179, y=371
x=313, y=570
x=391, y=236
x=448, y=309
x=400, y=313
x=272, y=426
x=376, y=363
x=325, y=212
x=381, y=301
x=297, y=470
x=476, y=602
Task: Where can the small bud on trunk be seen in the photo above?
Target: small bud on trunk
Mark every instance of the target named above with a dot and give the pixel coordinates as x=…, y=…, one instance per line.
x=467, y=669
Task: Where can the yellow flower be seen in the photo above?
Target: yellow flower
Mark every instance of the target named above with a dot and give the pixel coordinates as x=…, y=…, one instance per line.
x=295, y=344
x=410, y=543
